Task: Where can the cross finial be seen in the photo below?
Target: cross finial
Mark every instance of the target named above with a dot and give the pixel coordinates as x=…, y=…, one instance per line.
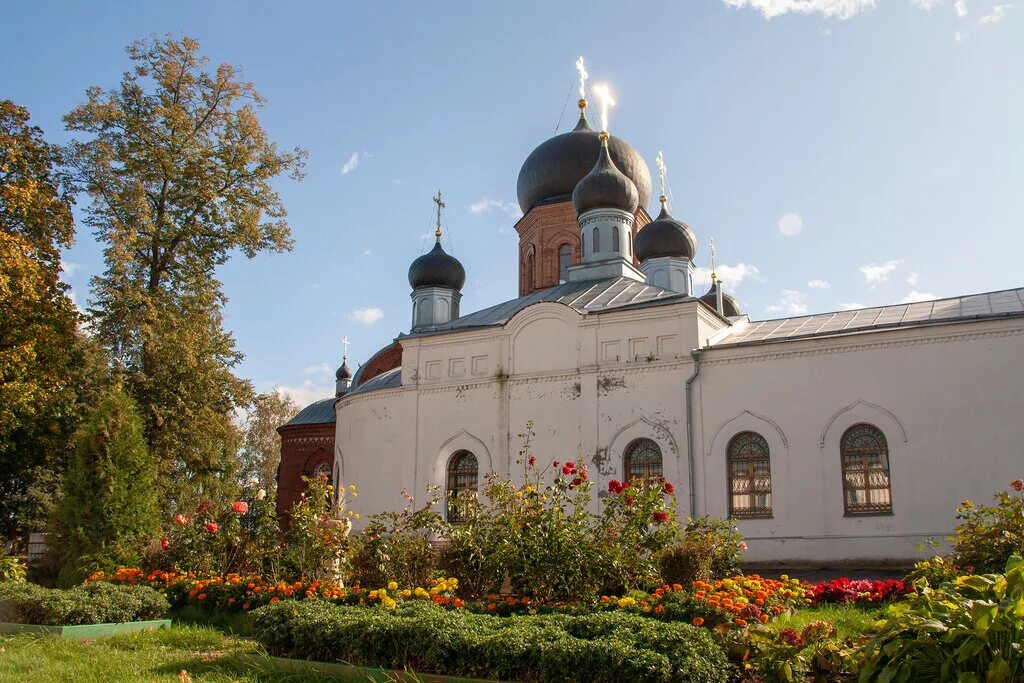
x=344, y=343
x=440, y=205
x=660, y=161
x=714, y=263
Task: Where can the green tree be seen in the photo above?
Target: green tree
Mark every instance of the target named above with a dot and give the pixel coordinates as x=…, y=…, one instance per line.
x=261, y=450
x=108, y=511
x=178, y=169
x=39, y=354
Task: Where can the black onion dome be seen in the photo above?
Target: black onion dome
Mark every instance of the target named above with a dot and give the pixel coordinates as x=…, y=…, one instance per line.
x=436, y=268
x=344, y=372
x=557, y=165
x=605, y=187
x=730, y=307
x=665, y=236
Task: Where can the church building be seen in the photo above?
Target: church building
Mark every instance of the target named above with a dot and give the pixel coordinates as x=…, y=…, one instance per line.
x=846, y=435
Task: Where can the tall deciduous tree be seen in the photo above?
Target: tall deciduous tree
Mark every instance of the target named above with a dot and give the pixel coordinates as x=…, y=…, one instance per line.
x=261, y=451
x=38, y=349
x=109, y=509
x=178, y=168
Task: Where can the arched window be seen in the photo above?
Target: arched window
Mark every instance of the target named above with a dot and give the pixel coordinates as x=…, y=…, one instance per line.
x=323, y=469
x=750, y=476
x=642, y=460
x=865, y=458
x=463, y=472
x=596, y=246
x=529, y=271
x=615, y=238
x=564, y=261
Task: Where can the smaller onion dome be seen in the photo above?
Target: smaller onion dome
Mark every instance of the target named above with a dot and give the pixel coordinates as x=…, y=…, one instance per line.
x=730, y=306
x=605, y=187
x=665, y=236
x=344, y=372
x=437, y=268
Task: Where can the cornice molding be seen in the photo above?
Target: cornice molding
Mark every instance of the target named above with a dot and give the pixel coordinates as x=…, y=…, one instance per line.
x=847, y=347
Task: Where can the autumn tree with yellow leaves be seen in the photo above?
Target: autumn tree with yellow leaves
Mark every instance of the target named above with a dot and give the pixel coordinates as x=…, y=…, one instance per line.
x=178, y=170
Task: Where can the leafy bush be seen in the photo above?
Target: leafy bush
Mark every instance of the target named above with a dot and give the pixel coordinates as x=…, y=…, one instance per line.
x=11, y=569
x=970, y=629
x=395, y=546
x=988, y=536
x=93, y=603
x=812, y=653
x=317, y=536
x=936, y=571
x=426, y=638
x=727, y=541
x=688, y=561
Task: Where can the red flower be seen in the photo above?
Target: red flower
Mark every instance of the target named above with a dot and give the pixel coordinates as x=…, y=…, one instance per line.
x=180, y=519
x=164, y=543
x=629, y=500
x=566, y=470
x=1017, y=484
x=583, y=475
x=212, y=527
x=570, y=464
x=669, y=488
x=660, y=517
x=554, y=464
x=614, y=487
x=240, y=507
x=532, y=461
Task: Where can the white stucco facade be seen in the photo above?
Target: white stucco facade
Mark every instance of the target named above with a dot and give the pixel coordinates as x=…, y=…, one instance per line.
x=948, y=397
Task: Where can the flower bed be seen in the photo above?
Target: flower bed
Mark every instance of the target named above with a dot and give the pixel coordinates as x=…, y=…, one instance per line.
x=862, y=591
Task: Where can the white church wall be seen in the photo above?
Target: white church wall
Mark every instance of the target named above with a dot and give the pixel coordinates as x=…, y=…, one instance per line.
x=942, y=396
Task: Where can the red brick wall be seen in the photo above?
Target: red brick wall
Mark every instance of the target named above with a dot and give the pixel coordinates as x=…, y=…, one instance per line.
x=388, y=358
x=303, y=447
x=542, y=231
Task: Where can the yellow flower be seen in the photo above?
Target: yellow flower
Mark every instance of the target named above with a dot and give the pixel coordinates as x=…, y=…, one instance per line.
x=356, y=515
x=392, y=585
x=355, y=495
x=352, y=487
x=406, y=593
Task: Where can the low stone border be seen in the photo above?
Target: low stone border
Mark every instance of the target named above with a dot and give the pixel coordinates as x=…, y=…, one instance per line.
x=86, y=630
x=365, y=672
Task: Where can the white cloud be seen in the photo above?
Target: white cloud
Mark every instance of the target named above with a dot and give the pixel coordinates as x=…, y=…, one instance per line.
x=879, y=272
x=307, y=392
x=916, y=296
x=486, y=205
x=730, y=276
x=843, y=9
x=318, y=369
x=819, y=284
x=366, y=316
x=912, y=279
x=925, y=4
x=850, y=307
x=961, y=8
x=959, y=36
x=792, y=302
x=68, y=269
x=996, y=15
x=790, y=224
x=367, y=252
x=353, y=162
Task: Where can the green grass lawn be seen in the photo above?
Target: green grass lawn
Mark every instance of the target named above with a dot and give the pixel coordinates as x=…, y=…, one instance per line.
x=205, y=654
x=849, y=620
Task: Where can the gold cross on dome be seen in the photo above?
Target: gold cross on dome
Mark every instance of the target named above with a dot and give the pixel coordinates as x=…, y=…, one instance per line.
x=345, y=343
x=714, y=264
x=440, y=205
x=660, y=161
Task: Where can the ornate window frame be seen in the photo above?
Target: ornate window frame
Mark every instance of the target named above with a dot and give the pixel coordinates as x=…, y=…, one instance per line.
x=751, y=451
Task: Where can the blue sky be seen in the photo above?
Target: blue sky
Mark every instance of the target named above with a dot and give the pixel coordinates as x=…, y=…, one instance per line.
x=891, y=129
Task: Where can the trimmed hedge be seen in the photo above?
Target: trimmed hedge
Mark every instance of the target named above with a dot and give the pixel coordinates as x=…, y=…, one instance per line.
x=93, y=603
x=428, y=639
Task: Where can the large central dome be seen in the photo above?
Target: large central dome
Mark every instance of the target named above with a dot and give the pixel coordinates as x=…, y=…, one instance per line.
x=554, y=168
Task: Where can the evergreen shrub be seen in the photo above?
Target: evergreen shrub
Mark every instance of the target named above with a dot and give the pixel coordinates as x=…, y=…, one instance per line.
x=93, y=603
x=425, y=638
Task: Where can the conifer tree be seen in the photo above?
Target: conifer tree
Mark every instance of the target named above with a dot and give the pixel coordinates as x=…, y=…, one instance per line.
x=108, y=512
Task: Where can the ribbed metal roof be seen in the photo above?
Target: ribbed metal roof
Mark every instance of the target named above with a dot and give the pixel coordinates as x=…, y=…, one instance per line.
x=321, y=412
x=589, y=296
x=1001, y=304
x=390, y=379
